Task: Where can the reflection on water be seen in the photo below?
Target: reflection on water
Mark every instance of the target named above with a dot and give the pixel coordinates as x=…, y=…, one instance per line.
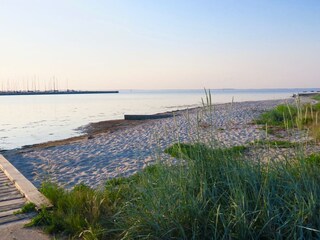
x=34, y=119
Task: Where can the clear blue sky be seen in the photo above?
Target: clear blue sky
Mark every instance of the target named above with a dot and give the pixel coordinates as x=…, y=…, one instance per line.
x=144, y=44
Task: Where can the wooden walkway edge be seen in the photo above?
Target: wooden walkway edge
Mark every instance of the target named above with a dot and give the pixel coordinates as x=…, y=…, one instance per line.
x=23, y=185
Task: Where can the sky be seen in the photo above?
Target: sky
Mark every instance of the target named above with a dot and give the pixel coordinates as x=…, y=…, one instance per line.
x=164, y=44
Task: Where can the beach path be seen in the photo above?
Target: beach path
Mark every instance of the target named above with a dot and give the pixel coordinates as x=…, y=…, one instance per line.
x=15, y=192
x=11, y=200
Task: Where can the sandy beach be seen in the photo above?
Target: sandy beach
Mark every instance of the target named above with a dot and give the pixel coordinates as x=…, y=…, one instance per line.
x=121, y=148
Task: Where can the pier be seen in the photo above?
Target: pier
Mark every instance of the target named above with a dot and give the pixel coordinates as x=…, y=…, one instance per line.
x=19, y=93
x=306, y=94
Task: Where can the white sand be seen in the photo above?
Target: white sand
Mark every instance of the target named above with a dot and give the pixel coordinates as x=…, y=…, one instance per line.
x=126, y=151
x=17, y=231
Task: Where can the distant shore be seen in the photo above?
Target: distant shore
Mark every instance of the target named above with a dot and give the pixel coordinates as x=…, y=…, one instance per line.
x=53, y=92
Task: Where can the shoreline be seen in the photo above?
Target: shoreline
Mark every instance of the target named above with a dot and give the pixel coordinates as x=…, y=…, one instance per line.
x=120, y=148
x=93, y=129
x=74, y=132
x=89, y=131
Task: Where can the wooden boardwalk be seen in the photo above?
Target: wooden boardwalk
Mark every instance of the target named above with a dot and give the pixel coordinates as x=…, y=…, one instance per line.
x=11, y=200
x=15, y=192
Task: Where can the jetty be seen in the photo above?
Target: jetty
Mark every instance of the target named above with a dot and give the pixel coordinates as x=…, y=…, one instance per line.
x=56, y=92
x=15, y=192
x=306, y=94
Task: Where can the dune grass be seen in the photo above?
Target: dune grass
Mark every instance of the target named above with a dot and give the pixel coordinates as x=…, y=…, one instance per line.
x=27, y=208
x=210, y=194
x=298, y=116
x=81, y=212
x=281, y=115
x=214, y=194
x=316, y=97
x=275, y=143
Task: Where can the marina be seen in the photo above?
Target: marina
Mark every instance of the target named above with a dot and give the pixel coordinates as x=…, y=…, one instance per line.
x=56, y=92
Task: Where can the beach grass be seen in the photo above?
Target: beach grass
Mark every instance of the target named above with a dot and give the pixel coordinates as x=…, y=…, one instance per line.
x=213, y=194
x=299, y=116
x=209, y=193
x=316, y=97
x=80, y=212
x=27, y=208
x=281, y=115
x=275, y=143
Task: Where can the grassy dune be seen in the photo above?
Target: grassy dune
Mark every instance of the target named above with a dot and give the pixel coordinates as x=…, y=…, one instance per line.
x=210, y=194
x=301, y=117
x=214, y=194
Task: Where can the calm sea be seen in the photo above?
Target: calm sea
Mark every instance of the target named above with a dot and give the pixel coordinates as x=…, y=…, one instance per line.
x=34, y=119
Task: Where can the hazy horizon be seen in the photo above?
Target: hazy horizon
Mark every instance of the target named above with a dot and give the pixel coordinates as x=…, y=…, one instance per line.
x=144, y=45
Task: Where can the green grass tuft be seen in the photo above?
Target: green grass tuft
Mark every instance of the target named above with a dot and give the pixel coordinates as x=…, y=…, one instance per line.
x=27, y=208
x=82, y=211
x=316, y=97
x=189, y=151
x=302, y=117
x=279, y=116
x=313, y=159
x=316, y=107
x=275, y=143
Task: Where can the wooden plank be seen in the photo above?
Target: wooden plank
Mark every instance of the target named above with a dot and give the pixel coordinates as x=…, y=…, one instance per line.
x=11, y=197
x=4, y=181
x=12, y=206
x=8, y=184
x=12, y=202
x=30, y=192
x=9, y=191
x=14, y=218
x=3, y=188
x=9, y=212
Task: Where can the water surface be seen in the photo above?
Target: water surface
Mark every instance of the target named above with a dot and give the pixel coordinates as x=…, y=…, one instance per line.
x=34, y=119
